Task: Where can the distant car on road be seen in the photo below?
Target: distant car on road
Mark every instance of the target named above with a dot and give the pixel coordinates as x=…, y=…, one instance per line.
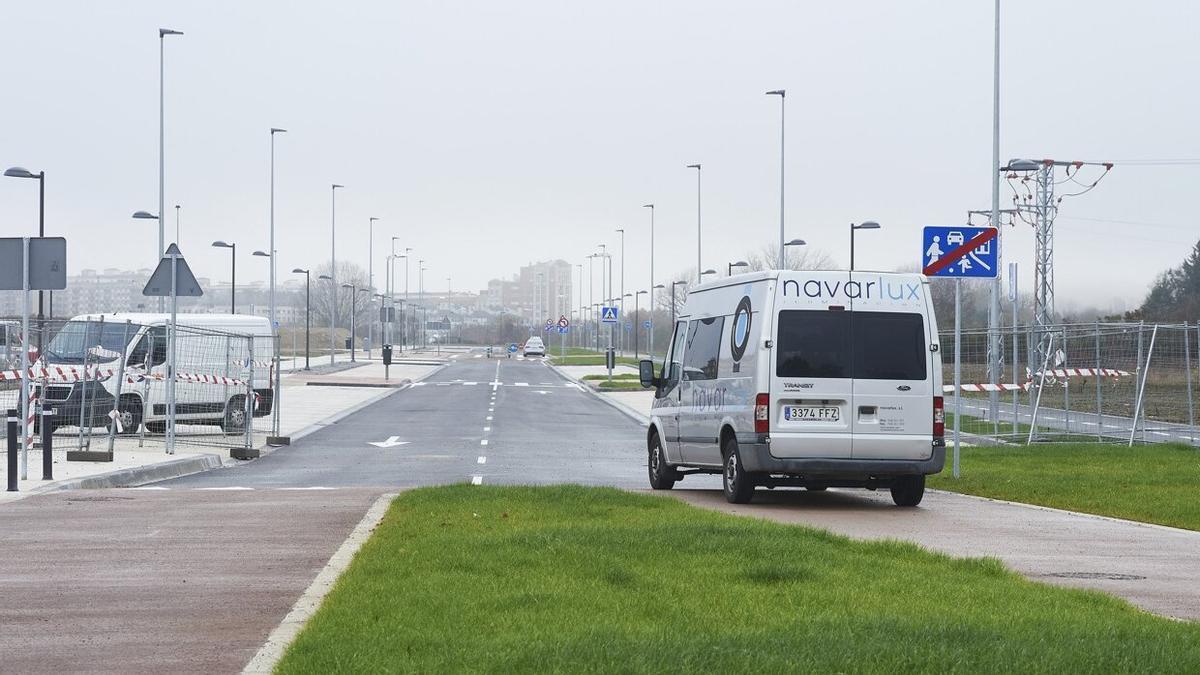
x=534, y=347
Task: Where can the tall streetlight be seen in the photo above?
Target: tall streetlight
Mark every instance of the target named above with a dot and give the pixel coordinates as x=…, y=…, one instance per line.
x=232, y=273
x=307, y=312
x=782, y=94
x=370, y=276
x=333, y=267
x=637, y=311
x=621, y=231
x=354, y=291
x=162, y=34
x=706, y=273
x=794, y=242
x=177, y=233
x=868, y=225
x=650, y=333
x=729, y=267
x=18, y=172
x=326, y=277
x=698, y=267
x=650, y=340
x=274, y=131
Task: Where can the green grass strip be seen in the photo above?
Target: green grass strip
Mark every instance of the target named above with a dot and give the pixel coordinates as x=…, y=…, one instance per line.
x=1149, y=483
x=573, y=579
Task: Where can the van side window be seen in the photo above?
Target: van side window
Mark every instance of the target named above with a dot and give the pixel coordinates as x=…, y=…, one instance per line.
x=158, y=345
x=676, y=351
x=703, y=349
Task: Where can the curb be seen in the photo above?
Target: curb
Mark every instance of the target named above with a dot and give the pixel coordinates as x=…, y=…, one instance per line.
x=139, y=475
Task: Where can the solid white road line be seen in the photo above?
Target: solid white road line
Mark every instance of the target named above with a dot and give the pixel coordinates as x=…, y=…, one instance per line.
x=489, y=418
x=520, y=384
x=312, y=487
x=226, y=488
x=487, y=428
x=483, y=442
x=482, y=460
x=150, y=487
x=476, y=480
x=272, y=650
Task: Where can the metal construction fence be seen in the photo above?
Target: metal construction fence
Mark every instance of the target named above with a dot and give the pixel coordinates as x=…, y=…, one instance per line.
x=1109, y=382
x=103, y=384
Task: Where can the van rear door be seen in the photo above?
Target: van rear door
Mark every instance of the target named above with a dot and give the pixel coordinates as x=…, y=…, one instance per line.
x=893, y=385
x=811, y=386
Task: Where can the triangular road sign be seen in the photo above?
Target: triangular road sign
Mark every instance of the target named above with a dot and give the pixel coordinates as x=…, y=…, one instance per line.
x=186, y=285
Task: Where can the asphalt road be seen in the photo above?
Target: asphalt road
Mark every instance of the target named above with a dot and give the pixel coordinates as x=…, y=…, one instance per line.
x=482, y=420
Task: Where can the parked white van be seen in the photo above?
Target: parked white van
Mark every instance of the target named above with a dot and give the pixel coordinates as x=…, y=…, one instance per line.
x=207, y=345
x=813, y=379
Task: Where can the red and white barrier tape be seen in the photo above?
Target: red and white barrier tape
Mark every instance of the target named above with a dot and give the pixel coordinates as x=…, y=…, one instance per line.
x=1084, y=372
x=59, y=374
x=949, y=388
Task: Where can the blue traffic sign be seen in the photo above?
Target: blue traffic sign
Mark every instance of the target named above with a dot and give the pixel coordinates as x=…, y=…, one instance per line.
x=608, y=314
x=959, y=252
x=563, y=330
x=513, y=347
x=646, y=324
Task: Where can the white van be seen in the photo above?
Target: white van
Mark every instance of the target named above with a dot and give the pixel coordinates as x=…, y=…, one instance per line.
x=813, y=379
x=207, y=345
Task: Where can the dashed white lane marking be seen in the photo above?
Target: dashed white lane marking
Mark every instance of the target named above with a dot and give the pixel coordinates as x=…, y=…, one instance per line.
x=491, y=410
x=476, y=480
x=520, y=384
x=487, y=428
x=477, y=356
x=547, y=384
x=150, y=487
x=489, y=418
x=470, y=384
x=226, y=488
x=483, y=442
x=482, y=460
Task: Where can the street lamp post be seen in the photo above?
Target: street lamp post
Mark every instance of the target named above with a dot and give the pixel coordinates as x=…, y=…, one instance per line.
x=272, y=242
x=782, y=94
x=177, y=233
x=354, y=290
x=673, y=312
x=333, y=268
x=307, y=313
x=650, y=339
x=162, y=34
x=868, y=225
x=370, y=277
x=637, y=310
x=729, y=267
x=232, y=273
x=650, y=333
x=698, y=267
x=18, y=172
x=621, y=231
x=333, y=294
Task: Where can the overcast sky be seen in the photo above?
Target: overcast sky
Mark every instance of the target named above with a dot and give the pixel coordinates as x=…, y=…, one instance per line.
x=491, y=134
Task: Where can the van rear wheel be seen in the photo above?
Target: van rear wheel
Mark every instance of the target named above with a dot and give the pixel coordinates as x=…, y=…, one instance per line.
x=738, y=483
x=908, y=490
x=662, y=476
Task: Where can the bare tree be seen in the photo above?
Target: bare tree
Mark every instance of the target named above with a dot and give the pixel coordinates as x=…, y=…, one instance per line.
x=322, y=300
x=798, y=258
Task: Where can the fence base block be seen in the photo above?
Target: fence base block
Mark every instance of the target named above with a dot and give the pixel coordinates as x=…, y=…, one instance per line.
x=244, y=453
x=89, y=456
x=276, y=441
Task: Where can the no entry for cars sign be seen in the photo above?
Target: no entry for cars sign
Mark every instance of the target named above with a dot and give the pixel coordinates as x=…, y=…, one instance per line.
x=960, y=252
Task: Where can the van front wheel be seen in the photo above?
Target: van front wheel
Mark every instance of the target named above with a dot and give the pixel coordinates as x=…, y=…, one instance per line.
x=908, y=490
x=738, y=484
x=662, y=477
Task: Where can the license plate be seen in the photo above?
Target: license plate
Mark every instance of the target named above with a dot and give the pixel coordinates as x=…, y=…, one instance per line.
x=811, y=413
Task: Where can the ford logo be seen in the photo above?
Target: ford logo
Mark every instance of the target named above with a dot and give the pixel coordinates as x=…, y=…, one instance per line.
x=903, y=387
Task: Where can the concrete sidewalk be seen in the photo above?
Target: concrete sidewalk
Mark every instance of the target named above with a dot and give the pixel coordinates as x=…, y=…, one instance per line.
x=303, y=409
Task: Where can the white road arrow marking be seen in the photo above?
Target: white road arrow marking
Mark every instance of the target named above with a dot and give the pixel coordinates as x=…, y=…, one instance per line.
x=391, y=442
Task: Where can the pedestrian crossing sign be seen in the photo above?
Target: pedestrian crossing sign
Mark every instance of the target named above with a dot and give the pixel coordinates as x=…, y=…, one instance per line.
x=608, y=315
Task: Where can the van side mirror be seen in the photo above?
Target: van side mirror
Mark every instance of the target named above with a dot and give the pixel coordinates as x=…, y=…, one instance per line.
x=646, y=373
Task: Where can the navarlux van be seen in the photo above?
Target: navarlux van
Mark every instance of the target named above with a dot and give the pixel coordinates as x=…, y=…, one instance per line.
x=206, y=344
x=813, y=379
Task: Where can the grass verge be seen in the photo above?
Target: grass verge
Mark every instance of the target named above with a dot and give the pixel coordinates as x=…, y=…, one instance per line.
x=589, y=360
x=573, y=579
x=1149, y=483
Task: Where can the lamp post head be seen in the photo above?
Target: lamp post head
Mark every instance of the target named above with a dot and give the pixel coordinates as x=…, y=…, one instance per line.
x=796, y=242
x=372, y=219
x=1022, y=165
x=647, y=206
x=694, y=166
x=261, y=254
x=275, y=130
x=299, y=271
x=679, y=283
x=407, y=250
x=144, y=215
x=643, y=292
x=777, y=92
x=336, y=186
x=347, y=285
x=868, y=225
x=162, y=32
x=221, y=244
x=20, y=172
x=658, y=286
x=326, y=277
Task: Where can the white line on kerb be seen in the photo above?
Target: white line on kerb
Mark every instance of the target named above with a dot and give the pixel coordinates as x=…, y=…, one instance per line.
x=482, y=460
x=476, y=480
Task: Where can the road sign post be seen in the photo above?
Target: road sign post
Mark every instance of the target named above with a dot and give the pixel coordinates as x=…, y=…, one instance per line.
x=173, y=278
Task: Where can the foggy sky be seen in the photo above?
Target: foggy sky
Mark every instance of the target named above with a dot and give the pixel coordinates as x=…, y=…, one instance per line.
x=488, y=135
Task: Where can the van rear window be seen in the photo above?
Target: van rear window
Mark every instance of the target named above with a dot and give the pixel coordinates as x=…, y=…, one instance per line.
x=862, y=345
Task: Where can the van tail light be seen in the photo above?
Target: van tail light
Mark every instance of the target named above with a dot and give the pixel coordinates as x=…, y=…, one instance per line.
x=762, y=413
x=939, y=417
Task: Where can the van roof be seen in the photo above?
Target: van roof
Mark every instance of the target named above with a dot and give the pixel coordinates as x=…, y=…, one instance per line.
x=751, y=277
x=188, y=319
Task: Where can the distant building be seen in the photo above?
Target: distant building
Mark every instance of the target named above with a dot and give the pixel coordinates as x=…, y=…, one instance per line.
x=540, y=291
